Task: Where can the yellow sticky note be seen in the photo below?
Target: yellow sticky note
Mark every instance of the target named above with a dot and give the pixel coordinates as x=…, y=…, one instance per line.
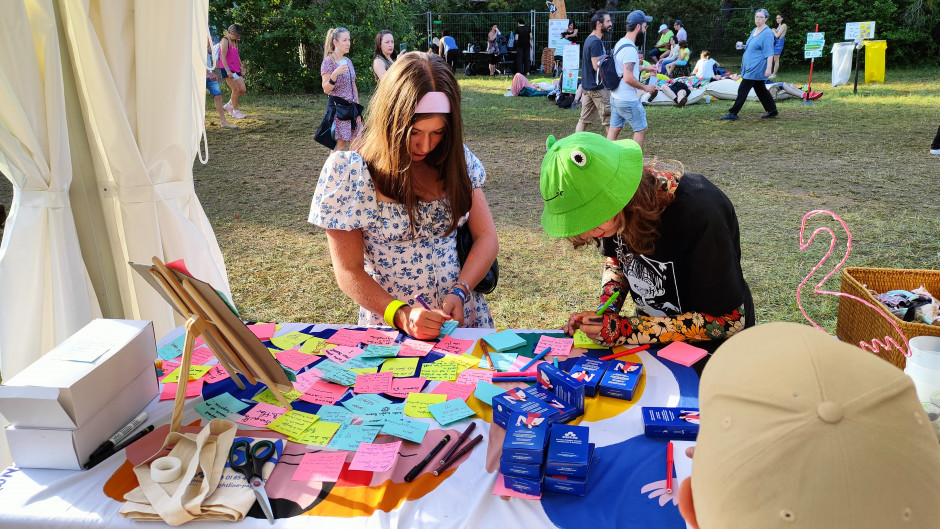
x=293, y=423
x=365, y=370
x=315, y=346
x=581, y=340
x=290, y=340
x=440, y=370
x=401, y=367
x=195, y=372
x=416, y=405
x=268, y=397
x=463, y=361
x=319, y=434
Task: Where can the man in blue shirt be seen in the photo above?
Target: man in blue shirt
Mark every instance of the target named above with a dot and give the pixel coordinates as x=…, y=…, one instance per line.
x=756, y=66
x=594, y=97
x=448, y=49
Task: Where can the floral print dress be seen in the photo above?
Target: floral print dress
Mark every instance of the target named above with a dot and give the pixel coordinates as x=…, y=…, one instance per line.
x=345, y=199
x=344, y=89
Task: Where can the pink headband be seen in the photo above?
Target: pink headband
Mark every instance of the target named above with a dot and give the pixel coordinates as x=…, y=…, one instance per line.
x=433, y=103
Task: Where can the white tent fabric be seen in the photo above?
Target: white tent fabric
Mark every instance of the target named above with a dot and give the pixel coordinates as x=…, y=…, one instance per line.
x=44, y=287
x=140, y=73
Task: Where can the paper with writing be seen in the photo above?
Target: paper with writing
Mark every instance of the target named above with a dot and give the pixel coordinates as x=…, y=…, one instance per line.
x=261, y=415
x=375, y=457
x=416, y=405
x=320, y=466
x=450, y=411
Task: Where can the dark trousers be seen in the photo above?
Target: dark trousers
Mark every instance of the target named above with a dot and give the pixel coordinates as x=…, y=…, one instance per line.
x=523, y=61
x=452, y=56
x=936, y=140
x=760, y=89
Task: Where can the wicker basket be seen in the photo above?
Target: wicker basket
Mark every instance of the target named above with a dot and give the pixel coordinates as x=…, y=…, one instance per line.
x=858, y=322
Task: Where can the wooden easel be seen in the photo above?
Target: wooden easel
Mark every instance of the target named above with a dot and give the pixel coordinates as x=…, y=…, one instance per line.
x=208, y=315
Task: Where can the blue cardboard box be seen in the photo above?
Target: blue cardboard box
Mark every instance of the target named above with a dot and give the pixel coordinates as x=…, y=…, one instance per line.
x=524, y=485
x=569, y=453
x=521, y=470
x=621, y=379
x=567, y=389
x=671, y=423
x=518, y=401
x=565, y=485
x=566, y=412
x=590, y=371
x=526, y=438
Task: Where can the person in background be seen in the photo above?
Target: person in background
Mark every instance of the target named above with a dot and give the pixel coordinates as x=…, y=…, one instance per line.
x=523, y=48
x=383, y=55
x=682, y=59
x=212, y=85
x=625, y=105
x=705, y=67
x=662, y=45
x=595, y=98
x=392, y=205
x=492, y=48
x=756, y=65
x=570, y=34
x=681, y=33
x=339, y=80
x=670, y=58
x=779, y=33
x=800, y=430
x=232, y=69
x=448, y=50
x=670, y=240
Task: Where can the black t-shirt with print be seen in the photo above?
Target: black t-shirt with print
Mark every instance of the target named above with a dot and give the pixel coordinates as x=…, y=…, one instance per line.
x=696, y=264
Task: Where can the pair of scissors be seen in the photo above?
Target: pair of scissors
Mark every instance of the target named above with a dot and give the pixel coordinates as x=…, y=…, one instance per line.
x=248, y=460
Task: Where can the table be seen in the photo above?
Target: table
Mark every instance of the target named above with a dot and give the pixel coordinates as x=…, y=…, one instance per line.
x=628, y=474
x=481, y=60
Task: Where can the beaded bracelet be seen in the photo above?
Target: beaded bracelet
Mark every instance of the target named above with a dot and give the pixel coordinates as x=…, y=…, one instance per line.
x=464, y=286
x=390, y=311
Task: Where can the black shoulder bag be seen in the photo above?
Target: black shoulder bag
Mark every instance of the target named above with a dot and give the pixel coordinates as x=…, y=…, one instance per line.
x=464, y=244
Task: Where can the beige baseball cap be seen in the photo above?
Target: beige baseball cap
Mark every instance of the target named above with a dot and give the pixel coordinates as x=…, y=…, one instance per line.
x=802, y=430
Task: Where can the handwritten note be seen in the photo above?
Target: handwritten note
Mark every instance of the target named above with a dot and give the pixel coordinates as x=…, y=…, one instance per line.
x=261, y=415
x=502, y=361
x=294, y=359
x=347, y=337
x=333, y=372
x=315, y=346
x=318, y=434
x=405, y=428
x=337, y=414
x=215, y=374
x=464, y=361
x=439, y=370
x=194, y=373
x=290, y=340
x=350, y=436
x=401, y=387
x=202, y=355
x=381, y=351
x=375, y=457
x=377, y=337
x=342, y=353
x=220, y=407
x=264, y=331
x=412, y=347
x=375, y=383
x=401, y=367
x=450, y=411
x=323, y=392
x=267, y=397
x=293, y=423
x=193, y=389
x=455, y=346
x=320, y=466
x=173, y=349
x=306, y=379
x=472, y=376
x=416, y=405
x=560, y=346
x=365, y=404
x=453, y=391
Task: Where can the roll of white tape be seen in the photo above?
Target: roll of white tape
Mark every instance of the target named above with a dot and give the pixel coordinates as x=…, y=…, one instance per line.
x=165, y=469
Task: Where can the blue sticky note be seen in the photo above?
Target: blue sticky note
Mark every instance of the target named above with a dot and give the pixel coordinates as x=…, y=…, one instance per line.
x=220, y=407
x=405, y=428
x=173, y=349
x=380, y=415
x=501, y=361
x=504, y=340
x=447, y=327
x=337, y=414
x=381, y=351
x=450, y=411
x=349, y=436
x=336, y=373
x=366, y=404
x=486, y=391
x=361, y=361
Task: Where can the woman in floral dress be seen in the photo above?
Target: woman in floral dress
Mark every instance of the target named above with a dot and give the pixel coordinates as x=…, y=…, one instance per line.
x=339, y=80
x=392, y=205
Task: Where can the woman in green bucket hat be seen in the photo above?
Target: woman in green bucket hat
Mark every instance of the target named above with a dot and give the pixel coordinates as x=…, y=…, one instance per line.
x=670, y=240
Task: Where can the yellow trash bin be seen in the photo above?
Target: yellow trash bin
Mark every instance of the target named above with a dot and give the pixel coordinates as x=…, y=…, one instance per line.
x=875, y=60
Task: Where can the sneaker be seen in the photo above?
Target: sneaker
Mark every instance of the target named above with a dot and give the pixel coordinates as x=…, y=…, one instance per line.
x=237, y=114
x=935, y=151
x=227, y=108
x=770, y=115
x=729, y=117
x=814, y=95
x=228, y=126
x=772, y=76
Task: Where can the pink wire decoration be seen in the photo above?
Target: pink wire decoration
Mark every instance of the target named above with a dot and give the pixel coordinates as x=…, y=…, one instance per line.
x=876, y=346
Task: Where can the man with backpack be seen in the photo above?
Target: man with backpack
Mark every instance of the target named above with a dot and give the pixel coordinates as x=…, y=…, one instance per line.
x=624, y=99
x=595, y=98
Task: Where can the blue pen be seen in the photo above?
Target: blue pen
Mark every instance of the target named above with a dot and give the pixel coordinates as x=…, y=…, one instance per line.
x=514, y=379
x=536, y=359
x=555, y=361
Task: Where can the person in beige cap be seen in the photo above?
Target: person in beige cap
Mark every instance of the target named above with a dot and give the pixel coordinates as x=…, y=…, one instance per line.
x=801, y=430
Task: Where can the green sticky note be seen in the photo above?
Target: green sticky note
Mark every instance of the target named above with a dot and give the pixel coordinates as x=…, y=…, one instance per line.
x=440, y=370
x=364, y=370
x=416, y=405
x=319, y=433
x=401, y=367
x=293, y=423
x=290, y=340
x=267, y=396
x=194, y=373
x=315, y=346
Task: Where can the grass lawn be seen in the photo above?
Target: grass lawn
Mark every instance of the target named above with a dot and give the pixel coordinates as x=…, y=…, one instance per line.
x=864, y=157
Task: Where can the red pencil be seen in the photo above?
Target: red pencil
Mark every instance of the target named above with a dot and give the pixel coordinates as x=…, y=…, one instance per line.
x=669, y=463
x=627, y=352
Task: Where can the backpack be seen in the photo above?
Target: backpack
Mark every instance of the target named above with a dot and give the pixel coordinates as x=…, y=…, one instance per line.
x=607, y=65
x=468, y=70
x=564, y=100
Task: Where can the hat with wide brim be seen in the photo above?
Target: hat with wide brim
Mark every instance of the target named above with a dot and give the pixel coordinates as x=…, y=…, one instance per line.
x=585, y=180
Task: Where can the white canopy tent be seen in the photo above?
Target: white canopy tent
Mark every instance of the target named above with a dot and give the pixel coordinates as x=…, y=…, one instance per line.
x=139, y=79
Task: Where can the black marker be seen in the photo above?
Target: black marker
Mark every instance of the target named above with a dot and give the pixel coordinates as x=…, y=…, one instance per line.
x=94, y=460
x=461, y=439
x=119, y=436
x=469, y=446
x=427, y=459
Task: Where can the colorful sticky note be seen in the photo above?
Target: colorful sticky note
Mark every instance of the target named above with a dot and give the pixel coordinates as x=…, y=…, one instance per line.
x=220, y=407
x=323, y=392
x=342, y=353
x=401, y=367
x=365, y=404
x=306, y=379
x=447, y=327
x=374, y=383
x=373, y=457
x=264, y=331
x=472, y=376
x=412, y=347
x=464, y=361
x=378, y=416
x=333, y=372
x=485, y=392
x=405, y=428
x=350, y=436
x=450, y=411
x=439, y=370
x=173, y=349
x=201, y=356
x=682, y=353
x=318, y=434
x=194, y=373
x=315, y=346
x=293, y=423
x=215, y=374
x=261, y=415
x=320, y=466
x=581, y=340
x=501, y=361
x=416, y=405
x=362, y=361
x=503, y=340
x=560, y=346
x=337, y=414
x=401, y=387
x=381, y=351
x=294, y=359
x=193, y=389
x=267, y=396
x=455, y=346
x=290, y=340
x=453, y=391
x=377, y=337
x=521, y=361
x=347, y=337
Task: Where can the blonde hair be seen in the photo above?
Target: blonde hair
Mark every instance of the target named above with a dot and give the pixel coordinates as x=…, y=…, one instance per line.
x=332, y=35
x=385, y=141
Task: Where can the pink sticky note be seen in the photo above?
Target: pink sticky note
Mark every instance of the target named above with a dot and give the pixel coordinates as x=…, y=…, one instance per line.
x=347, y=337
x=199, y=342
x=261, y=415
x=472, y=376
x=401, y=387
x=202, y=356
x=523, y=360
x=264, y=331
x=682, y=353
x=306, y=379
x=294, y=359
x=193, y=389
x=454, y=391
x=502, y=490
x=375, y=457
x=453, y=345
x=215, y=374
x=560, y=346
x=342, y=353
x=323, y=392
x=374, y=382
x=415, y=348
x=377, y=337
x=320, y=466
x=168, y=367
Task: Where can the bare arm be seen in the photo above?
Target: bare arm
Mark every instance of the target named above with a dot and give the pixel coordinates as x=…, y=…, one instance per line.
x=482, y=253
x=633, y=81
x=223, y=51
x=378, y=66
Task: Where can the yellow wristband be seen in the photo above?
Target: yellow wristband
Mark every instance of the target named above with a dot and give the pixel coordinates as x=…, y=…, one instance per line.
x=390, y=311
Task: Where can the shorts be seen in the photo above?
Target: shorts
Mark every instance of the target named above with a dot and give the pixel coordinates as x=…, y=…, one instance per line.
x=595, y=101
x=213, y=87
x=631, y=112
x=778, y=45
x=223, y=73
